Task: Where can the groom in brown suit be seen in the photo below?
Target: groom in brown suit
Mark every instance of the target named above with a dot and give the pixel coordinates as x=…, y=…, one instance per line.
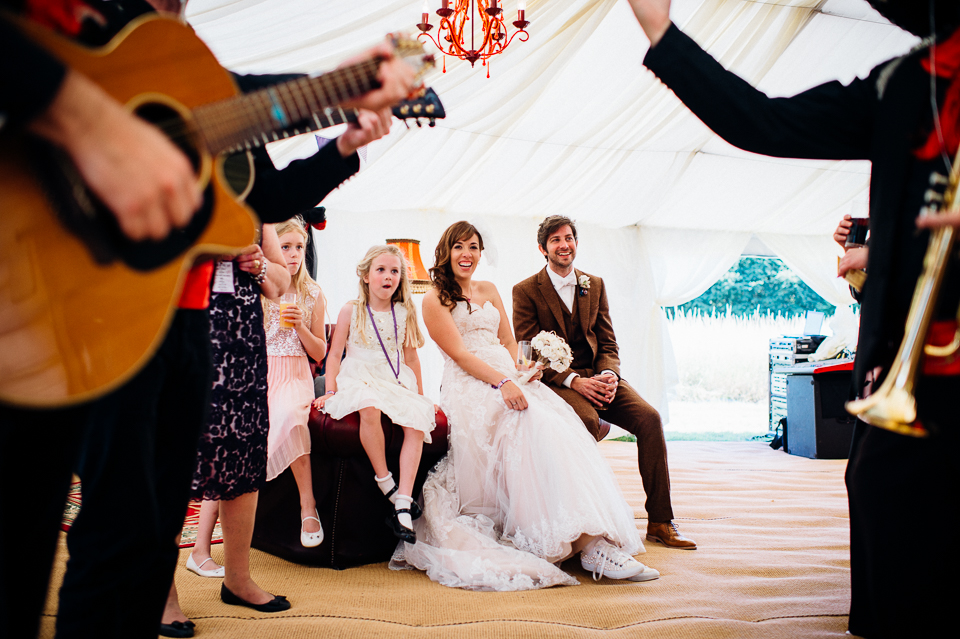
x=573, y=305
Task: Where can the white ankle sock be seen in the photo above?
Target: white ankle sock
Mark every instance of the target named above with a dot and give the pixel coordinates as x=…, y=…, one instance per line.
x=404, y=502
x=386, y=485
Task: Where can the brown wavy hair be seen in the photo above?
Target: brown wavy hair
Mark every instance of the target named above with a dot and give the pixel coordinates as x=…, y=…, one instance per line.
x=446, y=286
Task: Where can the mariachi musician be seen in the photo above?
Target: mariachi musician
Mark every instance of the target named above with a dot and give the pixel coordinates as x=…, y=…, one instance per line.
x=902, y=489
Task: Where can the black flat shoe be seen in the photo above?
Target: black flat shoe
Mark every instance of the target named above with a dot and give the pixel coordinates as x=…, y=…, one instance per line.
x=177, y=629
x=415, y=510
x=278, y=604
x=400, y=531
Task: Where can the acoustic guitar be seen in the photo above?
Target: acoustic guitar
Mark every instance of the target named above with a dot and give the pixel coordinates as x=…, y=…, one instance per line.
x=82, y=308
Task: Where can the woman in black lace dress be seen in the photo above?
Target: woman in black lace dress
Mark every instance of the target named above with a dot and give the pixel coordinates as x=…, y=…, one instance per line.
x=232, y=450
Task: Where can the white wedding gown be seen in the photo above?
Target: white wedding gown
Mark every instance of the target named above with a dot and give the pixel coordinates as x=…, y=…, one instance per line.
x=516, y=487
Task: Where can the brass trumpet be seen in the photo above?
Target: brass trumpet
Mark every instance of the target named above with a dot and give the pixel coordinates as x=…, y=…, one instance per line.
x=893, y=406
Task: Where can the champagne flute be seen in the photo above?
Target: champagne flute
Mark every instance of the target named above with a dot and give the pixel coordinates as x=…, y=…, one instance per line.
x=525, y=355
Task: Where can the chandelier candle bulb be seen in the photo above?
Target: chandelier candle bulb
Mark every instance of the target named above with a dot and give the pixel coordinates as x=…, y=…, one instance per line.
x=425, y=25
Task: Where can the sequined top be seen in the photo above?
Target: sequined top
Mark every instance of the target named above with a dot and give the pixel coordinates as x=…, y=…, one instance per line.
x=284, y=342
x=384, y=322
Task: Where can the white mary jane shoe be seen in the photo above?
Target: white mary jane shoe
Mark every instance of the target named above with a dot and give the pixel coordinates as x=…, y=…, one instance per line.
x=311, y=539
x=194, y=568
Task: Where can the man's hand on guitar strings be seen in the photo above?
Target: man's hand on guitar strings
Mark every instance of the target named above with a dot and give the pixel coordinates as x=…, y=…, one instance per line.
x=136, y=172
x=397, y=80
x=369, y=126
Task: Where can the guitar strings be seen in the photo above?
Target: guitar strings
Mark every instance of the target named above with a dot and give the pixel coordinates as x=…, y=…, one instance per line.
x=234, y=121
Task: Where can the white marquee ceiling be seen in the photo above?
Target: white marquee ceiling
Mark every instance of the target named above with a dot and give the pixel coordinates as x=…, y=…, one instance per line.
x=570, y=121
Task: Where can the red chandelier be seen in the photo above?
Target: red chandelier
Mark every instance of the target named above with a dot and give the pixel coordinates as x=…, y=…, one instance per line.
x=493, y=31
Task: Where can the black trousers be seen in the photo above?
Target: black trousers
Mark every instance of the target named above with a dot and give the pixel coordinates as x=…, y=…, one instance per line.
x=135, y=466
x=903, y=515
x=37, y=454
x=134, y=450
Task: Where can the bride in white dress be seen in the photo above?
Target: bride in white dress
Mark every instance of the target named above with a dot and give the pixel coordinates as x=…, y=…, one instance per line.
x=523, y=486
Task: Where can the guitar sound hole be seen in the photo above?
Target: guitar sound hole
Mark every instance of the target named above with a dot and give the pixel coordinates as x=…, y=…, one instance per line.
x=179, y=130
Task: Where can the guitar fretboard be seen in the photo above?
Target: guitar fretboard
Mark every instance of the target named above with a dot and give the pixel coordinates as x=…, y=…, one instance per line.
x=285, y=109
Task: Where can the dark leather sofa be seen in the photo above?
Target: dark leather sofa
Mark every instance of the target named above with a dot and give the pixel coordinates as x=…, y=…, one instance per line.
x=352, y=508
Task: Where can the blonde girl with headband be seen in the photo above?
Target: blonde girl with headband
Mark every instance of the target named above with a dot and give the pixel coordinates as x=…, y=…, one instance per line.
x=381, y=374
x=294, y=331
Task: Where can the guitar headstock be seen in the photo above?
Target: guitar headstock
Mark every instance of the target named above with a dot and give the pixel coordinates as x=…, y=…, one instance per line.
x=412, y=52
x=425, y=104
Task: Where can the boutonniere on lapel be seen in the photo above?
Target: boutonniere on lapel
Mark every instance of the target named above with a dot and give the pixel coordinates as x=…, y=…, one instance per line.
x=584, y=283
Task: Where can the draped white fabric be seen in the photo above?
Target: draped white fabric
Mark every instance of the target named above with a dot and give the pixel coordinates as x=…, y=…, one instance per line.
x=570, y=122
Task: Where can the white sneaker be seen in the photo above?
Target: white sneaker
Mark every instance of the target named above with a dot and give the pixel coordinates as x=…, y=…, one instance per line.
x=647, y=574
x=606, y=560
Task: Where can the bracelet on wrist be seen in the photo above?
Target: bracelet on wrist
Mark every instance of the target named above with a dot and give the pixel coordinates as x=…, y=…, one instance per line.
x=262, y=275
x=330, y=393
x=502, y=382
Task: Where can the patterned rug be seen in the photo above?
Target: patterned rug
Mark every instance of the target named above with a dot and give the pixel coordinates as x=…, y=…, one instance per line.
x=190, y=524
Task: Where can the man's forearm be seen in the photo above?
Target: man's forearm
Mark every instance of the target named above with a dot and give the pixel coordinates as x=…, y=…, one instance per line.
x=30, y=78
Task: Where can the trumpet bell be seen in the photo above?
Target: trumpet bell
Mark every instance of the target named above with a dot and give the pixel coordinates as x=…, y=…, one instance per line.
x=895, y=410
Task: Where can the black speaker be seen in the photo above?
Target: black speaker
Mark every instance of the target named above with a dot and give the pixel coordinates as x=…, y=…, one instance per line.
x=818, y=425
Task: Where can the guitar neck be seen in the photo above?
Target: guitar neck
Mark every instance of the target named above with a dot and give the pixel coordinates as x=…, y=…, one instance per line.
x=285, y=109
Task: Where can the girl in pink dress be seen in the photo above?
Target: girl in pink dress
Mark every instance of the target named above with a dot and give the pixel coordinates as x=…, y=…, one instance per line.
x=292, y=334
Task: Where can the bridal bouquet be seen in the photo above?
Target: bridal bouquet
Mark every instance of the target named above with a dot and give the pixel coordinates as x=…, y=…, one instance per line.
x=553, y=351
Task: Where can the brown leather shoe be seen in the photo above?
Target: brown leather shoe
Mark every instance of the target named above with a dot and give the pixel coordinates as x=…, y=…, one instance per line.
x=668, y=535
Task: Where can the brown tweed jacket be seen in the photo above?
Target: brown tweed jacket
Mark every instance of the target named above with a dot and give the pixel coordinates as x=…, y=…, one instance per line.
x=537, y=307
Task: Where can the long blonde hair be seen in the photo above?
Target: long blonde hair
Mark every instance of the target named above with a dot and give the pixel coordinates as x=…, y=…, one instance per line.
x=301, y=280
x=403, y=295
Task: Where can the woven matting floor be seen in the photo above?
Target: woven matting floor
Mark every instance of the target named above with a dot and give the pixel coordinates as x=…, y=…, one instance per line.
x=773, y=561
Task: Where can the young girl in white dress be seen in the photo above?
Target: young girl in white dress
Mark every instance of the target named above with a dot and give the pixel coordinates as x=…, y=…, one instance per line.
x=381, y=374
x=289, y=380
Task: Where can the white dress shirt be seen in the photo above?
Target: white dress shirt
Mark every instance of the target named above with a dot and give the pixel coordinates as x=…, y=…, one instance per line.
x=566, y=287
x=567, y=290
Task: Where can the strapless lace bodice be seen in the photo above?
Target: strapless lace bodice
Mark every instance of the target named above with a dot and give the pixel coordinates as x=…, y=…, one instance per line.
x=479, y=328
x=284, y=342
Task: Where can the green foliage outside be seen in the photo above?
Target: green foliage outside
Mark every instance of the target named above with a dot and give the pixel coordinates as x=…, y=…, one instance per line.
x=756, y=285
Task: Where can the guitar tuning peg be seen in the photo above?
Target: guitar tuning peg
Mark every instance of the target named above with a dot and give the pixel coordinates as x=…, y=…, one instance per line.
x=433, y=122
x=932, y=196
x=417, y=108
x=938, y=179
x=405, y=109
x=407, y=122
x=419, y=124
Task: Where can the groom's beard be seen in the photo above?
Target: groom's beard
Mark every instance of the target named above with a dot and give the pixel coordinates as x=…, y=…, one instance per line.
x=557, y=265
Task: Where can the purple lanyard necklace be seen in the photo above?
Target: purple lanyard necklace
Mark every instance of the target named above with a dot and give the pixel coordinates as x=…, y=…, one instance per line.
x=396, y=339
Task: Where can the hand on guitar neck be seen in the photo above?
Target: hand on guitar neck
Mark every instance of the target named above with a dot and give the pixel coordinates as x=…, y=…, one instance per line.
x=396, y=77
x=135, y=170
x=369, y=126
